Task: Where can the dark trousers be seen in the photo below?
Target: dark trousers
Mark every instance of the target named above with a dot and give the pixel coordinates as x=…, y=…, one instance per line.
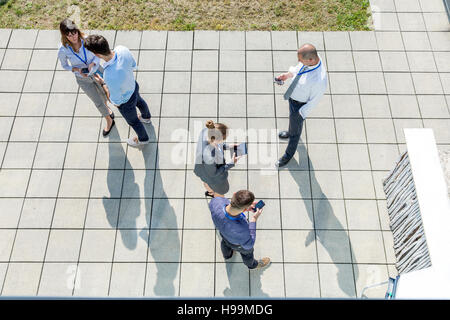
x=295, y=128
x=128, y=111
x=247, y=255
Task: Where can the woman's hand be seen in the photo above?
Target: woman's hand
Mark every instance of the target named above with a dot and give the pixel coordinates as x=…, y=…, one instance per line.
x=79, y=71
x=91, y=66
x=235, y=158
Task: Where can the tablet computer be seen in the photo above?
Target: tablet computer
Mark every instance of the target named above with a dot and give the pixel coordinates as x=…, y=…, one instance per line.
x=240, y=150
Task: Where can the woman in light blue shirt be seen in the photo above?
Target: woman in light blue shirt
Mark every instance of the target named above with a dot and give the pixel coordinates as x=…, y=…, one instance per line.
x=84, y=64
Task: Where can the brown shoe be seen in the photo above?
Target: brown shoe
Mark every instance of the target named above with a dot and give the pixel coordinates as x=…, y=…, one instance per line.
x=262, y=263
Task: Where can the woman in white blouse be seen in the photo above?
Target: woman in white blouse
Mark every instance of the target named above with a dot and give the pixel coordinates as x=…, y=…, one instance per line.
x=84, y=64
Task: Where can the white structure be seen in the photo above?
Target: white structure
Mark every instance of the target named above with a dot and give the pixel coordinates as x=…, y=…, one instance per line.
x=431, y=282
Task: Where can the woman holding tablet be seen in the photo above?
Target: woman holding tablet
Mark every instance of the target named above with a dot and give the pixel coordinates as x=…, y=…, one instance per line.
x=210, y=164
x=84, y=64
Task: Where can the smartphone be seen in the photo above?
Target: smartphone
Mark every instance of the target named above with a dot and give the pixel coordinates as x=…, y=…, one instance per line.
x=259, y=205
x=84, y=70
x=279, y=82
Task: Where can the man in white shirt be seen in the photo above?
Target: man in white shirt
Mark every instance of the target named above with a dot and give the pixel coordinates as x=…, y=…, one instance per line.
x=309, y=83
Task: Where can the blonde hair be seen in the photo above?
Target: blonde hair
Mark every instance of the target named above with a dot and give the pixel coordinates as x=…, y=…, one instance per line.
x=216, y=131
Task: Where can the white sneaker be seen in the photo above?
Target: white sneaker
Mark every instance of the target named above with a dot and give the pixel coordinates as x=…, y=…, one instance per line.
x=135, y=144
x=149, y=120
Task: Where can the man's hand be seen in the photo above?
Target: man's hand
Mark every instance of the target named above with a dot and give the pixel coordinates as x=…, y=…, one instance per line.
x=105, y=88
x=284, y=76
x=253, y=205
x=98, y=78
x=255, y=217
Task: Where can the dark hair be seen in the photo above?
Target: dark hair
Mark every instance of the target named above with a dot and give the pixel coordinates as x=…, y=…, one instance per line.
x=97, y=44
x=65, y=27
x=242, y=199
x=216, y=131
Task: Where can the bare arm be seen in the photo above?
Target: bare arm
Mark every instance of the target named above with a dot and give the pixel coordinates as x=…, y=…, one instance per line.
x=103, y=84
x=285, y=76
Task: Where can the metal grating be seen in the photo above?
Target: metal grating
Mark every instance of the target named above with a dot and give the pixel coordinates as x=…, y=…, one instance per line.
x=410, y=244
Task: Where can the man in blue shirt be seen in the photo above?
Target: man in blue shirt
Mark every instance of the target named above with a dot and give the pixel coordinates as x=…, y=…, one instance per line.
x=123, y=88
x=237, y=234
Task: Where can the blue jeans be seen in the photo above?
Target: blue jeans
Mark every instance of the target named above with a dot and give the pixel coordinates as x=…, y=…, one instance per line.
x=295, y=128
x=247, y=255
x=128, y=111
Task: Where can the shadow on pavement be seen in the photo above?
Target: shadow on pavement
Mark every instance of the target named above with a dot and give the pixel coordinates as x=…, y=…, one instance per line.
x=129, y=208
x=164, y=242
x=164, y=245
x=324, y=209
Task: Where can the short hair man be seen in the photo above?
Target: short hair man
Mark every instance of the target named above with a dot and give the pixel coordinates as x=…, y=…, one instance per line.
x=123, y=88
x=237, y=234
x=309, y=83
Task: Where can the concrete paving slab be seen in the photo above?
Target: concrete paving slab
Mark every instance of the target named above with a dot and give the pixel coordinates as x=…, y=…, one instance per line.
x=37, y=213
x=128, y=213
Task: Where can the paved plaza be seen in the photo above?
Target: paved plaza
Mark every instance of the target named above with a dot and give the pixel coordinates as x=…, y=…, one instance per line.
x=83, y=215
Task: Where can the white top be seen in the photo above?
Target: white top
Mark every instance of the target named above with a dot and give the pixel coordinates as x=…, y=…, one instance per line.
x=310, y=87
x=432, y=282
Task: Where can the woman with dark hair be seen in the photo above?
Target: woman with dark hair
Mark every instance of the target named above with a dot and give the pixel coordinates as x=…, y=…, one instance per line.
x=84, y=64
x=210, y=164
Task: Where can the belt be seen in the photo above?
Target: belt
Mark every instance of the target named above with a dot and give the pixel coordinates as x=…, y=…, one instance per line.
x=297, y=101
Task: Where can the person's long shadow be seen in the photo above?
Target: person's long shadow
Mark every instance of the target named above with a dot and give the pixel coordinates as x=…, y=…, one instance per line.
x=322, y=208
x=236, y=286
x=163, y=238
x=239, y=275
x=123, y=218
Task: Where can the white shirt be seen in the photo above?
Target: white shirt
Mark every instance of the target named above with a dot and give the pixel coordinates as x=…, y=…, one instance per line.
x=310, y=88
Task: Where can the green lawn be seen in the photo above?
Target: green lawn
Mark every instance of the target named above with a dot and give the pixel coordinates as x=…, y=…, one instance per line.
x=189, y=14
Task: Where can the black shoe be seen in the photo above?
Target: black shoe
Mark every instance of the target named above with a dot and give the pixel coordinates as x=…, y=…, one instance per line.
x=231, y=256
x=281, y=163
x=208, y=194
x=283, y=135
x=105, y=133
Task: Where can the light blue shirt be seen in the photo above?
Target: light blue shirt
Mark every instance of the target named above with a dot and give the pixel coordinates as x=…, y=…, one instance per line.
x=118, y=75
x=69, y=60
